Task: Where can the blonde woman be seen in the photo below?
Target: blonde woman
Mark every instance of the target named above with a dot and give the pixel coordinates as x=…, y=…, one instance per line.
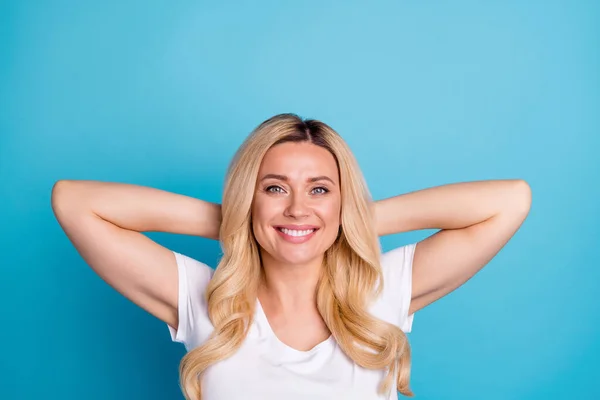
x=302, y=305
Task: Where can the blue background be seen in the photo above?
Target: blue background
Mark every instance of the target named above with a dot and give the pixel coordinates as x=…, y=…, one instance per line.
x=425, y=92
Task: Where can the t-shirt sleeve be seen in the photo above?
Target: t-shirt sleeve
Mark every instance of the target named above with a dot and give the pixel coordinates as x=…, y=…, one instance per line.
x=193, y=277
x=397, y=267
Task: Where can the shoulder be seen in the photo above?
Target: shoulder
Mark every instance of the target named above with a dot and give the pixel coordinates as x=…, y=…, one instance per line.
x=194, y=277
x=192, y=270
x=398, y=258
x=193, y=323
x=394, y=301
x=396, y=265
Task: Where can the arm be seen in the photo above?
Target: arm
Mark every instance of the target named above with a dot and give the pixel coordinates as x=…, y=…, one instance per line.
x=104, y=222
x=476, y=220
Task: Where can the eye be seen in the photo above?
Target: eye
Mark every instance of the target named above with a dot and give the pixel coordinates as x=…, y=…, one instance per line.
x=274, y=189
x=320, y=190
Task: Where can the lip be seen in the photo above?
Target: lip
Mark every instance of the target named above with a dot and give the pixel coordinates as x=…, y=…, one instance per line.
x=296, y=239
x=296, y=227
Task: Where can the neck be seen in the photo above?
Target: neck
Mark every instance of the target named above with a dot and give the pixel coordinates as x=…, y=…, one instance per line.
x=290, y=286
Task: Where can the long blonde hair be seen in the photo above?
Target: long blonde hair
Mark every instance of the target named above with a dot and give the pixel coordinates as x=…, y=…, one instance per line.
x=351, y=279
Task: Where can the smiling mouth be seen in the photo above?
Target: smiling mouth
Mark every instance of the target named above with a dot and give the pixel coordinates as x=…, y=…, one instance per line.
x=296, y=232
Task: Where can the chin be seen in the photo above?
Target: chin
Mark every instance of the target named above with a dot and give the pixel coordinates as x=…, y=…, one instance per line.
x=290, y=258
x=300, y=260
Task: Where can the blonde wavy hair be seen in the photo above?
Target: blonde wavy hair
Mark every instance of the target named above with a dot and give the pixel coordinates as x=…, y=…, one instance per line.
x=351, y=277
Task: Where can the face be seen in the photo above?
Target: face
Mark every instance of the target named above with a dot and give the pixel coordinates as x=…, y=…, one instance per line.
x=297, y=203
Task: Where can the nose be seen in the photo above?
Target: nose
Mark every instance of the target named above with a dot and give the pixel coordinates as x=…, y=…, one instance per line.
x=297, y=207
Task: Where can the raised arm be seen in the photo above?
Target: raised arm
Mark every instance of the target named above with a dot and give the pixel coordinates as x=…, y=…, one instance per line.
x=104, y=222
x=476, y=220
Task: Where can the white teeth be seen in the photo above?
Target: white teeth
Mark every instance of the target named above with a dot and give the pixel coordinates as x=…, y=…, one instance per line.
x=292, y=232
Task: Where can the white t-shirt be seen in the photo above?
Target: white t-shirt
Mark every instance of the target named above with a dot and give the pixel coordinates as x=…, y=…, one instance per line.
x=264, y=368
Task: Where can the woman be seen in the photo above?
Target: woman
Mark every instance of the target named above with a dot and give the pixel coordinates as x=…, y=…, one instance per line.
x=302, y=304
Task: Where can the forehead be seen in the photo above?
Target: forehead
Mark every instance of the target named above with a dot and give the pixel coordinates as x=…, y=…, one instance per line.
x=299, y=160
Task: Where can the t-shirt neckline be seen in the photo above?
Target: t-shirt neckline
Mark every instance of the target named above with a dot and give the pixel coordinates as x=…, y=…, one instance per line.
x=263, y=320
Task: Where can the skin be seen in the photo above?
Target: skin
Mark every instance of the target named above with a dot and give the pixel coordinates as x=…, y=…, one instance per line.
x=105, y=222
x=476, y=219
x=287, y=194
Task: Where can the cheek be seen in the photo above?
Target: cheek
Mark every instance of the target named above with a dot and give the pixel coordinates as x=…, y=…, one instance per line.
x=257, y=218
x=331, y=217
x=263, y=212
x=330, y=213
x=335, y=210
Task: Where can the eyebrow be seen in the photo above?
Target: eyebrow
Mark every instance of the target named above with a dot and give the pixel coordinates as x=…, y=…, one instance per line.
x=285, y=178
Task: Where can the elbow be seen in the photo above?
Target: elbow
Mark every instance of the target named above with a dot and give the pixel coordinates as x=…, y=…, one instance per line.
x=60, y=195
x=522, y=197
x=57, y=194
x=58, y=190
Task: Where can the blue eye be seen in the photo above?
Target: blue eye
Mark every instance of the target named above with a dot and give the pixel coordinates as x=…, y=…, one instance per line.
x=274, y=189
x=278, y=189
x=321, y=189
